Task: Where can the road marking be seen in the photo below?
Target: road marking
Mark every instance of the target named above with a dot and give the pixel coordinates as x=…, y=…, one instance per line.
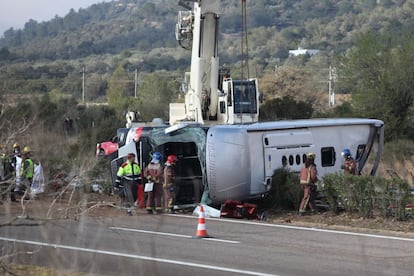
x=219, y=240
x=150, y=232
x=169, y=234
x=302, y=228
x=139, y=257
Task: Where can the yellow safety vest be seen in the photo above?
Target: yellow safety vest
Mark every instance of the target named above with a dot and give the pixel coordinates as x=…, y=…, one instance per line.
x=129, y=171
x=30, y=171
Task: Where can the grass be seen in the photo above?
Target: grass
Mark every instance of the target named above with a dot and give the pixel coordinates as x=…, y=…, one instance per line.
x=30, y=270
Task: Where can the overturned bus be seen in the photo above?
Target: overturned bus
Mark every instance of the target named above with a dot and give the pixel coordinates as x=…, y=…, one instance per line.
x=237, y=161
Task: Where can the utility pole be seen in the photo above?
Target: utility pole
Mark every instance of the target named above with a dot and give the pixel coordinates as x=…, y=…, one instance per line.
x=136, y=82
x=333, y=77
x=83, y=84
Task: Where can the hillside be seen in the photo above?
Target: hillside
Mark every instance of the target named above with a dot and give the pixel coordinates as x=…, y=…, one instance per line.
x=48, y=56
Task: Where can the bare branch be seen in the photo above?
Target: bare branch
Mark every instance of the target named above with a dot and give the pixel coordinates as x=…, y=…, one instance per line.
x=69, y=201
x=59, y=196
x=4, y=257
x=14, y=128
x=97, y=205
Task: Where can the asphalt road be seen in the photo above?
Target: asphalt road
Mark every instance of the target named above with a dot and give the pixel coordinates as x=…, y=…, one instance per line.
x=165, y=245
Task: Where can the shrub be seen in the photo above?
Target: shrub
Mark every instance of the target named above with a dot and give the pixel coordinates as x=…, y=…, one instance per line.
x=332, y=189
x=285, y=192
x=366, y=194
x=396, y=197
x=362, y=194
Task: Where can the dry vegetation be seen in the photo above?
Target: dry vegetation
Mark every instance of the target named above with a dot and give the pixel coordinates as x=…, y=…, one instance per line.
x=70, y=196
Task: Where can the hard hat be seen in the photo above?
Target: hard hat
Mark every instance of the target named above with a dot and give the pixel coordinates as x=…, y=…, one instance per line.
x=311, y=155
x=16, y=145
x=346, y=152
x=156, y=157
x=172, y=159
x=131, y=154
x=26, y=149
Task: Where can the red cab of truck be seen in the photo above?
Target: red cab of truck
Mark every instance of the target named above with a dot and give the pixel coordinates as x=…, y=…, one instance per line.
x=108, y=147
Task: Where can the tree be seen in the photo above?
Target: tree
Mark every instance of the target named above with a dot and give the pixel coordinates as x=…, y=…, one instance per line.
x=154, y=97
x=4, y=54
x=117, y=93
x=294, y=82
x=381, y=70
x=284, y=109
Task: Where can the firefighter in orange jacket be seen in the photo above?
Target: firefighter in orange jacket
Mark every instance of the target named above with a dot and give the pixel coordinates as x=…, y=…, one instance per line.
x=308, y=178
x=127, y=179
x=349, y=165
x=169, y=183
x=154, y=173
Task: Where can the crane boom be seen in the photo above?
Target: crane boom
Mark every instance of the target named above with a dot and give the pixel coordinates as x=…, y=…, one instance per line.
x=210, y=96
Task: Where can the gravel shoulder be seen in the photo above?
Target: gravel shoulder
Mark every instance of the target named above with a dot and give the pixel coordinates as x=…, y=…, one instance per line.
x=72, y=206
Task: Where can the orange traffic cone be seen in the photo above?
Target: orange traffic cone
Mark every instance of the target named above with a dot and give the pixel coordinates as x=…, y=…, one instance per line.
x=201, y=227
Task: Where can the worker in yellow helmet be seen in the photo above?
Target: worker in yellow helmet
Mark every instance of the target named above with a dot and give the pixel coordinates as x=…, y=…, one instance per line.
x=16, y=161
x=16, y=148
x=6, y=167
x=26, y=171
x=4, y=171
x=308, y=178
x=16, y=157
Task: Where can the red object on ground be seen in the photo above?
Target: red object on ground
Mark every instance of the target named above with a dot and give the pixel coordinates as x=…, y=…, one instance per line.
x=237, y=209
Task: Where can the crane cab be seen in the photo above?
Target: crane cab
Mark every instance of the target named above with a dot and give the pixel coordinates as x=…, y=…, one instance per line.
x=238, y=102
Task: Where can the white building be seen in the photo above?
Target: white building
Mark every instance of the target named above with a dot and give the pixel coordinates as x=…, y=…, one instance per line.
x=301, y=51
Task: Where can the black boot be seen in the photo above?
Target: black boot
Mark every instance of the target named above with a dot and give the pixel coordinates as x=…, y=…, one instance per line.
x=12, y=196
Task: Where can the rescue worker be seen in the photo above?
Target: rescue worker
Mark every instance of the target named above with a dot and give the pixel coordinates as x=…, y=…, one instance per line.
x=169, y=183
x=15, y=156
x=6, y=169
x=4, y=172
x=308, y=178
x=154, y=174
x=349, y=165
x=16, y=149
x=127, y=179
x=26, y=171
x=16, y=163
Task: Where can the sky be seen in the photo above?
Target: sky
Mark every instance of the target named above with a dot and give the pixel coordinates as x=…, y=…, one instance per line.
x=15, y=13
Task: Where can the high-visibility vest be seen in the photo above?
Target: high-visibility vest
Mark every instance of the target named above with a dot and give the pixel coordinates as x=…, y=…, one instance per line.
x=308, y=175
x=129, y=171
x=29, y=171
